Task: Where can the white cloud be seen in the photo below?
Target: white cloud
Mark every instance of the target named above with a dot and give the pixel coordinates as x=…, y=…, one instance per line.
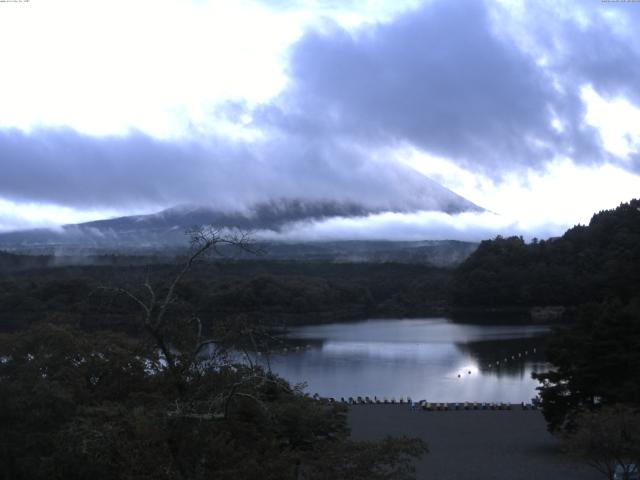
x=161, y=67
x=540, y=204
x=106, y=67
x=617, y=120
x=22, y=215
x=563, y=194
x=468, y=226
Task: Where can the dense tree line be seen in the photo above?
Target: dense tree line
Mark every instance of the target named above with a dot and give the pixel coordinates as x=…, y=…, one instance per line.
x=587, y=263
x=595, y=269
x=271, y=292
x=596, y=362
x=76, y=405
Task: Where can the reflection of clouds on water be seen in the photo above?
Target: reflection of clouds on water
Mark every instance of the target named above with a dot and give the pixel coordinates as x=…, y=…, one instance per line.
x=426, y=358
x=373, y=351
x=432, y=330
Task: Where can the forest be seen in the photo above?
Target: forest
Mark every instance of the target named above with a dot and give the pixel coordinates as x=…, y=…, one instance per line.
x=587, y=263
x=141, y=399
x=594, y=271
x=101, y=374
x=279, y=293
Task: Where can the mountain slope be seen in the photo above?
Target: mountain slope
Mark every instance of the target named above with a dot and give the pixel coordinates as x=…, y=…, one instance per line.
x=167, y=227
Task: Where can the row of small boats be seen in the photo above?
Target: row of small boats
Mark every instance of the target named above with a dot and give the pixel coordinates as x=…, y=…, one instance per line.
x=431, y=406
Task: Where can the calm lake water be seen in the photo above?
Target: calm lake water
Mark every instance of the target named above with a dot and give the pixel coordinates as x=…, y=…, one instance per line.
x=432, y=358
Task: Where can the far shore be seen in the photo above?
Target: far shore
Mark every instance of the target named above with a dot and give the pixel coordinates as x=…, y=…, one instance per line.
x=474, y=444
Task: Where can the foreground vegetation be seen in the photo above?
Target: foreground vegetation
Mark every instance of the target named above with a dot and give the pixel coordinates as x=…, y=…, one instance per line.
x=591, y=397
x=594, y=269
x=163, y=405
x=76, y=405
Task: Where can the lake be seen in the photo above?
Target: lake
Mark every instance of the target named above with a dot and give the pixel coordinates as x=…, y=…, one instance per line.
x=432, y=358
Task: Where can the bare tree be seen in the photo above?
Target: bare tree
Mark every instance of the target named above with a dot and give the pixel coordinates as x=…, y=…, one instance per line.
x=609, y=440
x=181, y=339
x=155, y=302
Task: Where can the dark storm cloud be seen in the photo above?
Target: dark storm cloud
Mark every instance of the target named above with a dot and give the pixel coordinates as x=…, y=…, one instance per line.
x=601, y=54
x=597, y=46
x=444, y=79
x=71, y=169
x=67, y=168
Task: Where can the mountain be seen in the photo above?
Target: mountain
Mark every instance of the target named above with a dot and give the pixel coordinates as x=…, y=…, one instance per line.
x=166, y=228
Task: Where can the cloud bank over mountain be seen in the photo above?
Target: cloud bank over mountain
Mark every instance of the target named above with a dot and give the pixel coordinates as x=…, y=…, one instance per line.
x=71, y=169
x=495, y=93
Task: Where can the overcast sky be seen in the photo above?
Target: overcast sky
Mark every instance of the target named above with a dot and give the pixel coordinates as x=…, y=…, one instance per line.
x=528, y=109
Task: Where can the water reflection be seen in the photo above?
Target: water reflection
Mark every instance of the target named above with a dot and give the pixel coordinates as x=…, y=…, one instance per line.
x=433, y=359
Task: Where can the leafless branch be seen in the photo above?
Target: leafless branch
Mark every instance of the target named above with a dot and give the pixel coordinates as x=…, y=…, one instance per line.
x=155, y=306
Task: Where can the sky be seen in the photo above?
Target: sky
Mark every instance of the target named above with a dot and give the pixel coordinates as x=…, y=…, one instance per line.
x=530, y=110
